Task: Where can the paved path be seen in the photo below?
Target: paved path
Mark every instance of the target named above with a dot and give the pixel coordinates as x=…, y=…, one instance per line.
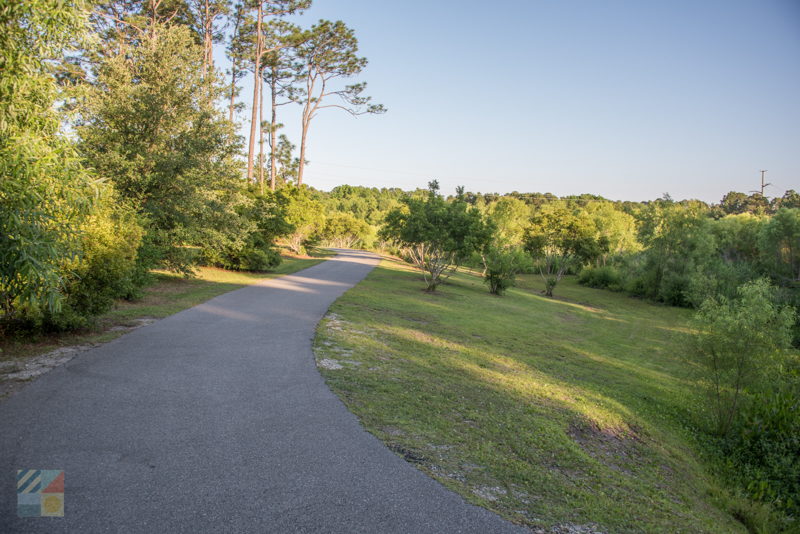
x=216, y=420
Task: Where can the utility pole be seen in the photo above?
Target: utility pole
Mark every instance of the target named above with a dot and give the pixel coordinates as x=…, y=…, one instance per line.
x=763, y=184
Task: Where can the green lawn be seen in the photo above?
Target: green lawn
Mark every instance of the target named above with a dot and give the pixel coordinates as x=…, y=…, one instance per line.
x=170, y=293
x=574, y=410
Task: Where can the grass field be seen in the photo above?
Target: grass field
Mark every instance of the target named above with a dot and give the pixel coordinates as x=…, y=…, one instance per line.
x=170, y=293
x=560, y=412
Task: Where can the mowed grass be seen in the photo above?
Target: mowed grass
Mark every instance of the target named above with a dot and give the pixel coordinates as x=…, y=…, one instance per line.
x=576, y=410
x=168, y=294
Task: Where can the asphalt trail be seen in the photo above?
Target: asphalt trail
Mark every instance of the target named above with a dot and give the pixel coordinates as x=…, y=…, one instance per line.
x=216, y=420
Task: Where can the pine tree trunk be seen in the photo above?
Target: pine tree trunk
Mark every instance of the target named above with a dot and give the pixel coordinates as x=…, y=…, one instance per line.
x=256, y=90
x=233, y=90
x=272, y=132
x=302, y=163
x=260, y=81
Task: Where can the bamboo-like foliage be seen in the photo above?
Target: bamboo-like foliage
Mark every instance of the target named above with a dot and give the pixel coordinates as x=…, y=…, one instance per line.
x=44, y=189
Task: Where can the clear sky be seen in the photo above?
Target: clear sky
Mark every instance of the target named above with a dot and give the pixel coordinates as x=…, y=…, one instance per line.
x=625, y=99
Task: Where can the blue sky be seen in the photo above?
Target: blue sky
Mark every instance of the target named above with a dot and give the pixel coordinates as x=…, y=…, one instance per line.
x=628, y=100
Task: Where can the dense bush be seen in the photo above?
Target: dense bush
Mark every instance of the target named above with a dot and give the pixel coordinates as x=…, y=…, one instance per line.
x=737, y=344
x=262, y=219
x=306, y=217
x=344, y=230
x=763, y=450
x=602, y=277
x=501, y=267
x=105, y=267
x=44, y=189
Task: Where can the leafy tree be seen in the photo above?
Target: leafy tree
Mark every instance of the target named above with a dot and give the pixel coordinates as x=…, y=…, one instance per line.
x=736, y=340
x=735, y=202
x=305, y=215
x=44, y=190
x=614, y=227
x=737, y=237
x=560, y=238
x=149, y=124
x=780, y=245
x=790, y=199
x=329, y=52
x=437, y=235
x=344, y=230
x=510, y=215
x=678, y=244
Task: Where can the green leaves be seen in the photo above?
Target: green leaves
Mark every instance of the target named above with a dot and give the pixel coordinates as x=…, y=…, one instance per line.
x=736, y=343
x=436, y=233
x=150, y=126
x=44, y=191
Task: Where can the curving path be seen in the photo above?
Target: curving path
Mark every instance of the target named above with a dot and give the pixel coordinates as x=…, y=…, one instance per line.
x=216, y=420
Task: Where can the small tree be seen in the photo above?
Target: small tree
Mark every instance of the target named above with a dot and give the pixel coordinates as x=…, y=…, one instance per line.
x=344, y=230
x=736, y=342
x=304, y=214
x=558, y=239
x=437, y=235
x=501, y=267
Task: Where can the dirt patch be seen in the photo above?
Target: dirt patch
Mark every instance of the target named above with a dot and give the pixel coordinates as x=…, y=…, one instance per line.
x=16, y=373
x=331, y=365
x=490, y=493
x=616, y=448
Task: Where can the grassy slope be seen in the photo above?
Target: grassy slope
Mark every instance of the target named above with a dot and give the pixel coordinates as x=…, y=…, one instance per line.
x=548, y=411
x=169, y=294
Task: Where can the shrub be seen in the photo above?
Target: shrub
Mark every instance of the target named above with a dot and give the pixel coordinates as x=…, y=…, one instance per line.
x=344, y=230
x=603, y=277
x=764, y=449
x=304, y=215
x=255, y=259
x=106, y=269
x=501, y=268
x=736, y=344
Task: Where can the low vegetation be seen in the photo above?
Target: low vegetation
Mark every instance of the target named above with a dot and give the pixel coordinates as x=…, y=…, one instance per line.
x=584, y=409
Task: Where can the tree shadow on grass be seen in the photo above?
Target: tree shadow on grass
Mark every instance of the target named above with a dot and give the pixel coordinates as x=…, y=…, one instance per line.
x=517, y=419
